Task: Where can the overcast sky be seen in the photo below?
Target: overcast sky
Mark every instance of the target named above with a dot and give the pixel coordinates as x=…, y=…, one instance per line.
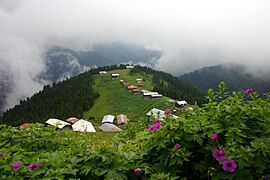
x=190, y=33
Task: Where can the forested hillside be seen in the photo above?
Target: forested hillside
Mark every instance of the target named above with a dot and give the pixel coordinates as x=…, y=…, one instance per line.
x=171, y=86
x=235, y=76
x=64, y=99
x=74, y=96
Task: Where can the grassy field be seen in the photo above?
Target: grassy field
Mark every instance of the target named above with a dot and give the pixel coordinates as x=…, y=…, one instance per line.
x=115, y=99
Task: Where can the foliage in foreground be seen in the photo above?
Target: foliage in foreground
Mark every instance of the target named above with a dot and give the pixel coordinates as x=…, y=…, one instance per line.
x=227, y=138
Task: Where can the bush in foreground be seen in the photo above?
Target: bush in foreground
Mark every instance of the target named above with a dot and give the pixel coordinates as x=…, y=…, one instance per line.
x=227, y=138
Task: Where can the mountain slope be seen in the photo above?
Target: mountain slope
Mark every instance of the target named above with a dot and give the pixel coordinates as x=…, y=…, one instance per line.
x=78, y=97
x=235, y=76
x=115, y=99
x=62, y=63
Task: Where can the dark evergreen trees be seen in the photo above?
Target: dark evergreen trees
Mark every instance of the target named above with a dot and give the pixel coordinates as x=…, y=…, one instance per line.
x=171, y=86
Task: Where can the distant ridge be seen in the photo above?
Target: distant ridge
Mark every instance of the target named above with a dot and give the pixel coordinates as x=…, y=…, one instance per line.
x=234, y=75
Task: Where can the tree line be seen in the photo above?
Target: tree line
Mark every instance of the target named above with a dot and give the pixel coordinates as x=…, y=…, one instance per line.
x=171, y=86
x=67, y=98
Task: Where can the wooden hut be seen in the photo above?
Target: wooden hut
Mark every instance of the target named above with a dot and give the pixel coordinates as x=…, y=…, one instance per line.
x=122, y=119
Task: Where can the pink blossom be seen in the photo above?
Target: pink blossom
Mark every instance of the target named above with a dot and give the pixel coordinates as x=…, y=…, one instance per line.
x=137, y=170
x=34, y=165
x=229, y=165
x=16, y=165
x=248, y=90
x=218, y=154
x=167, y=111
x=178, y=146
x=154, y=127
x=213, y=137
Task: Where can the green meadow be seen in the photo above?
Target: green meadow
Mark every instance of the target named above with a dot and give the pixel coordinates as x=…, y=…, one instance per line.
x=115, y=99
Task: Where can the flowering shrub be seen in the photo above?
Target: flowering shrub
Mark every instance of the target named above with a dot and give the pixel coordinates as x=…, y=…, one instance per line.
x=227, y=138
x=154, y=127
x=213, y=137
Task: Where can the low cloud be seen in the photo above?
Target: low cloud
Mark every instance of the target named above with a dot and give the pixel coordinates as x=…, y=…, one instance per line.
x=190, y=34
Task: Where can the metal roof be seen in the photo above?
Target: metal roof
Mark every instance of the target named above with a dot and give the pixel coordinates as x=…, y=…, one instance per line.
x=150, y=93
x=122, y=119
x=72, y=120
x=83, y=126
x=157, y=113
x=57, y=122
x=156, y=95
x=108, y=119
x=107, y=127
x=181, y=102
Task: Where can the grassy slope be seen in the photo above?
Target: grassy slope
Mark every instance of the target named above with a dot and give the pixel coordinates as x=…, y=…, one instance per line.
x=115, y=99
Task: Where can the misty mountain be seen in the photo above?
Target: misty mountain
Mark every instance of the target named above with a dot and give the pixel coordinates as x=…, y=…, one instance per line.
x=63, y=62
x=235, y=76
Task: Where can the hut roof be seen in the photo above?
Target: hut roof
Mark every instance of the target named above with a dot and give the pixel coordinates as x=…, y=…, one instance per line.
x=107, y=127
x=108, y=119
x=24, y=125
x=72, y=120
x=150, y=93
x=181, y=102
x=57, y=122
x=122, y=119
x=83, y=126
x=156, y=95
x=132, y=87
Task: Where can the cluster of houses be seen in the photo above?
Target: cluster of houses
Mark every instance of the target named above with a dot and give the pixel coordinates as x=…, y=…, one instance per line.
x=72, y=123
x=134, y=89
x=86, y=126
x=108, y=123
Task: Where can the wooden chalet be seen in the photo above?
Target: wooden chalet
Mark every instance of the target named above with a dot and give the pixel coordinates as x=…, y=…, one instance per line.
x=101, y=73
x=122, y=119
x=180, y=104
x=138, y=81
x=129, y=67
x=156, y=96
x=130, y=88
x=115, y=75
x=148, y=95
x=135, y=91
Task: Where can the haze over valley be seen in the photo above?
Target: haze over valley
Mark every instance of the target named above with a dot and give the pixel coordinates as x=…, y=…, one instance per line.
x=45, y=41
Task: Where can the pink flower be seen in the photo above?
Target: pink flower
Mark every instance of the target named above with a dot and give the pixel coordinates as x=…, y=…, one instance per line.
x=167, y=111
x=229, y=165
x=137, y=170
x=218, y=154
x=154, y=127
x=34, y=165
x=248, y=91
x=156, y=120
x=213, y=137
x=16, y=165
x=178, y=146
